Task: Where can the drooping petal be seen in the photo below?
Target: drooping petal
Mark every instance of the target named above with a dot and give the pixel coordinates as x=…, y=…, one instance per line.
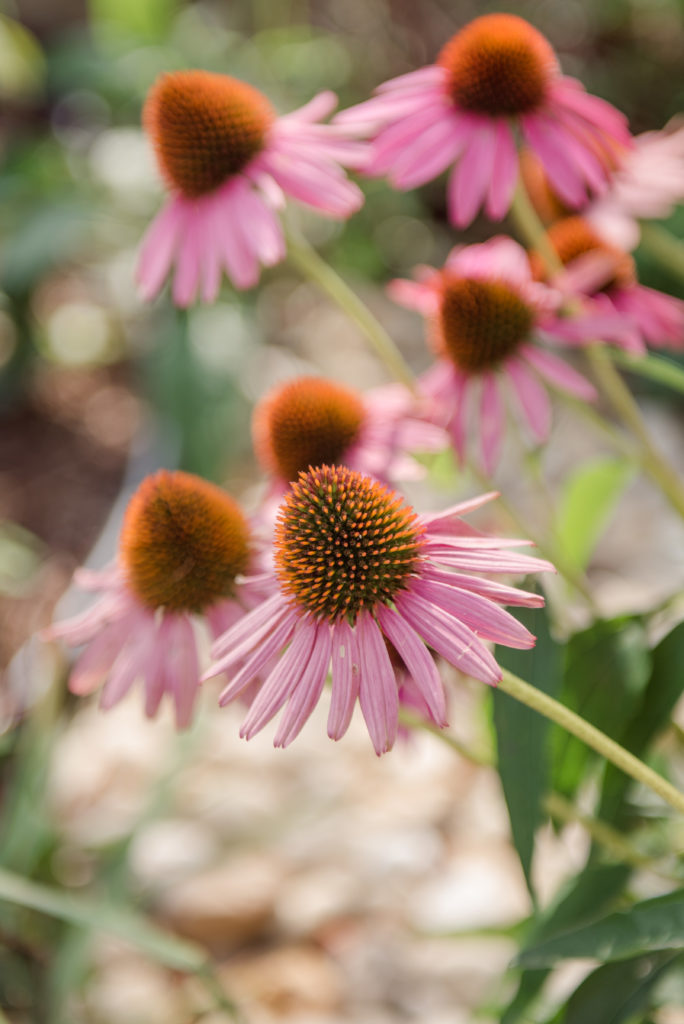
x=287, y=674
x=378, y=694
x=533, y=398
x=418, y=661
x=307, y=693
x=491, y=422
x=345, y=679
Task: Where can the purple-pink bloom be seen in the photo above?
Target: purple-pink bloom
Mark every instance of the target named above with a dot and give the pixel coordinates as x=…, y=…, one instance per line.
x=603, y=278
x=496, y=77
x=311, y=421
x=229, y=163
x=356, y=567
x=184, y=546
x=491, y=325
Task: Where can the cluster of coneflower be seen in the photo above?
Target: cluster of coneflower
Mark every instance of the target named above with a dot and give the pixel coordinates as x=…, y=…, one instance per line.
x=336, y=575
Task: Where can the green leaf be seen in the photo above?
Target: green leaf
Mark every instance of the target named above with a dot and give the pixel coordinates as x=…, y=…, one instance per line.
x=665, y=687
x=588, y=499
x=163, y=947
x=657, y=368
x=595, y=889
x=522, y=735
x=649, y=926
x=616, y=992
x=607, y=669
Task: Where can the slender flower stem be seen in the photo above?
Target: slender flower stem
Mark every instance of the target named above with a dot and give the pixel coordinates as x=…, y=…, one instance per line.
x=555, y=804
x=606, y=836
x=312, y=266
x=593, y=737
x=623, y=402
x=663, y=246
x=413, y=721
x=533, y=231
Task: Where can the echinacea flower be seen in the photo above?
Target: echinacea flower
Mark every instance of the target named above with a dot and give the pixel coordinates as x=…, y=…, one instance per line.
x=646, y=185
x=489, y=322
x=184, y=543
x=605, y=276
x=309, y=421
x=228, y=162
x=496, y=75
x=355, y=566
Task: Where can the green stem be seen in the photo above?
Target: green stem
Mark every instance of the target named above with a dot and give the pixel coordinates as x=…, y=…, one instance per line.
x=624, y=404
x=593, y=737
x=313, y=267
x=532, y=230
x=413, y=721
x=606, y=836
x=664, y=247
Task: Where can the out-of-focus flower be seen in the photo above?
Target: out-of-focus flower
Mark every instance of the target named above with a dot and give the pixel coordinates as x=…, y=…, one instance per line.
x=606, y=273
x=354, y=566
x=311, y=421
x=183, y=548
x=496, y=75
x=486, y=320
x=646, y=185
x=228, y=162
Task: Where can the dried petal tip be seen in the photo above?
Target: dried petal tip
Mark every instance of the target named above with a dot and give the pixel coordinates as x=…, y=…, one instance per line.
x=498, y=65
x=205, y=128
x=481, y=323
x=344, y=543
x=305, y=422
x=183, y=542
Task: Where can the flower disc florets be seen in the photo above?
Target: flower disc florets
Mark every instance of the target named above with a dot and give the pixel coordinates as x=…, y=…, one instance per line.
x=183, y=542
x=498, y=65
x=481, y=323
x=344, y=543
x=307, y=422
x=573, y=237
x=205, y=127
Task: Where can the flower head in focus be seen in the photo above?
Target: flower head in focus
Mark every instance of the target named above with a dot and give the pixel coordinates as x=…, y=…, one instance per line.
x=490, y=323
x=183, y=548
x=311, y=421
x=229, y=161
x=355, y=566
x=496, y=75
x=604, y=277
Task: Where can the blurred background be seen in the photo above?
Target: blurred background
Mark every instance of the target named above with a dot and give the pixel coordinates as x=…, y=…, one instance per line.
x=97, y=389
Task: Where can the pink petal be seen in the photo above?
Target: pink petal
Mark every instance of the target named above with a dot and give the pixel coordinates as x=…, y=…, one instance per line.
x=449, y=637
x=418, y=661
x=558, y=373
x=481, y=615
x=471, y=177
x=239, y=640
x=499, y=592
x=504, y=174
x=533, y=398
x=158, y=248
x=308, y=691
x=491, y=423
x=378, y=694
x=182, y=667
x=345, y=679
x=287, y=674
x=269, y=647
x=548, y=142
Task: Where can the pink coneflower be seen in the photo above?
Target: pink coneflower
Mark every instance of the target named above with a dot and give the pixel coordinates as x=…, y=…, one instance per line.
x=486, y=320
x=496, y=75
x=310, y=421
x=228, y=160
x=606, y=273
x=354, y=566
x=184, y=542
